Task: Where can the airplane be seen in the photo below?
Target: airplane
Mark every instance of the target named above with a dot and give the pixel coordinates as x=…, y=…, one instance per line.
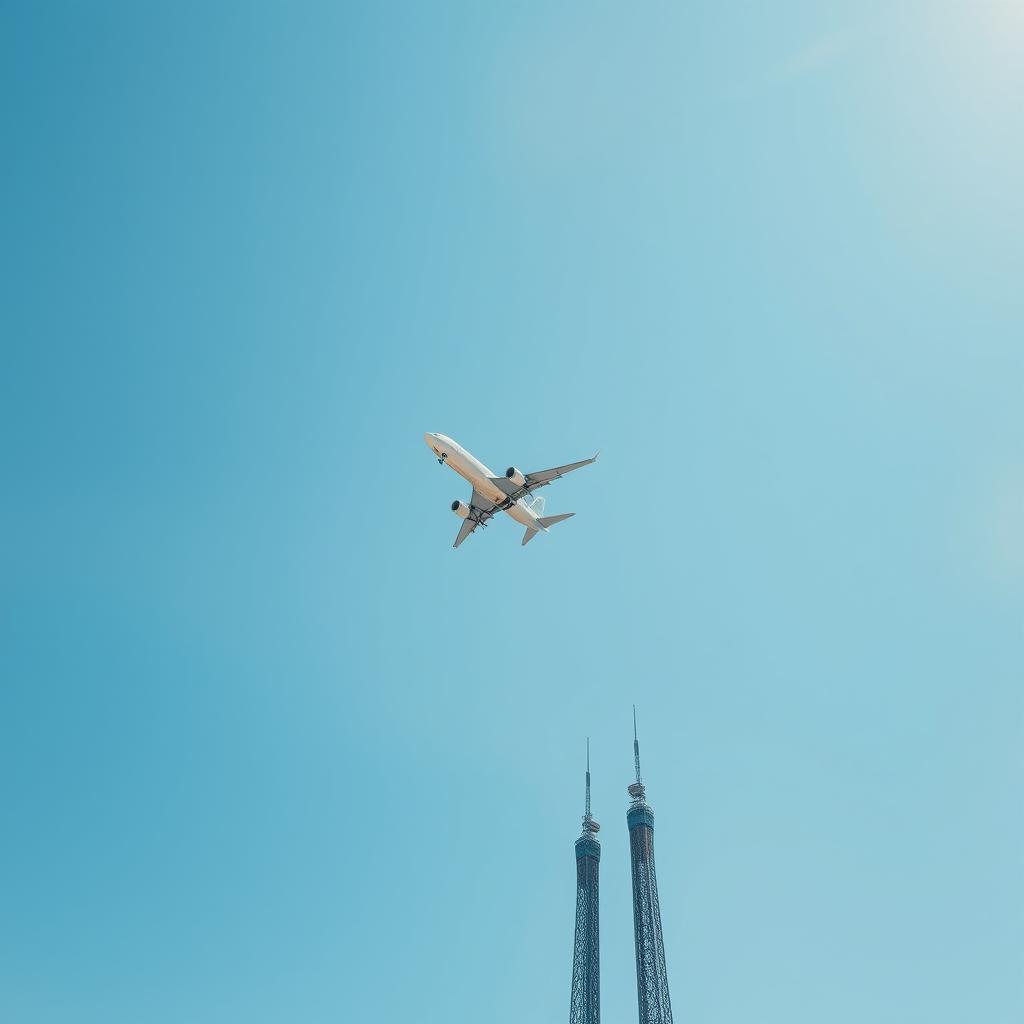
x=511, y=493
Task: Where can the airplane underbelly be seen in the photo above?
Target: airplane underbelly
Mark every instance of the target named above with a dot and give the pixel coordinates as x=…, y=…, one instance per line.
x=522, y=515
x=492, y=492
x=477, y=481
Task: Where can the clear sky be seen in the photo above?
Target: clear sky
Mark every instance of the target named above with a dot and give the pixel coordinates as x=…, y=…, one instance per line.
x=270, y=750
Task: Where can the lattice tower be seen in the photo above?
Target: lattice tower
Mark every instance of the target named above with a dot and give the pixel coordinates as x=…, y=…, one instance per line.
x=585, y=1002
x=652, y=996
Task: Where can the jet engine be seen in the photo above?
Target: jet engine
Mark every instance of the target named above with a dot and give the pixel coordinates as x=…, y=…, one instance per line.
x=515, y=476
x=460, y=508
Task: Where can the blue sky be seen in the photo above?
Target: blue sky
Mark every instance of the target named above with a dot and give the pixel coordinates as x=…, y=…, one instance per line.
x=269, y=749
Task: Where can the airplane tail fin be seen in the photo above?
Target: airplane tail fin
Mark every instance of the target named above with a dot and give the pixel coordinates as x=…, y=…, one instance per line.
x=545, y=522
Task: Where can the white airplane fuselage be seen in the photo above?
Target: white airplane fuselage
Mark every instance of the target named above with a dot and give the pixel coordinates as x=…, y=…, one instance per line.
x=471, y=469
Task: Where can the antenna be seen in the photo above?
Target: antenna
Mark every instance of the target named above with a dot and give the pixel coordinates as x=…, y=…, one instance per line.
x=636, y=747
x=636, y=789
x=590, y=827
x=588, y=778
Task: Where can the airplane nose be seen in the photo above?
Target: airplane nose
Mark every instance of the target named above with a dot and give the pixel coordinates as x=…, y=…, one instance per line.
x=429, y=438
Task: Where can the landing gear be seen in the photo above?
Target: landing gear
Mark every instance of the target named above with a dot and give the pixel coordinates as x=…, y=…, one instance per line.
x=441, y=460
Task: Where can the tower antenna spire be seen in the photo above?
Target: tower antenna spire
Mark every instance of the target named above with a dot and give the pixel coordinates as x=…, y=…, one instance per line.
x=590, y=826
x=587, y=815
x=636, y=747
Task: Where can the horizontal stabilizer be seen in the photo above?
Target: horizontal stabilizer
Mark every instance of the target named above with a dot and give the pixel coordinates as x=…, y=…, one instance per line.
x=547, y=521
x=529, y=535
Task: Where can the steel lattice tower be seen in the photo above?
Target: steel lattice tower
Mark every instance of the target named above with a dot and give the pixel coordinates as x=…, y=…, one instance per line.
x=651, y=977
x=585, y=1004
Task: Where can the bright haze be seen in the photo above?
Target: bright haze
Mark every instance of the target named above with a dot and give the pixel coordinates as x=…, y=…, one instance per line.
x=270, y=749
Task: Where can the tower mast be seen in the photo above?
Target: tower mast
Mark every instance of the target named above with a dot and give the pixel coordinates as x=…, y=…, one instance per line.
x=585, y=1000
x=636, y=748
x=652, y=996
x=586, y=816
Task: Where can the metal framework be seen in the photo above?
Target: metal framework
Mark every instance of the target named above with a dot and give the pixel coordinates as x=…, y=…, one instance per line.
x=585, y=1002
x=652, y=996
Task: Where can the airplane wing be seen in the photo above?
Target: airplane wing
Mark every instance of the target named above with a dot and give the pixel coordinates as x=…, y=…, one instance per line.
x=468, y=526
x=480, y=511
x=539, y=479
